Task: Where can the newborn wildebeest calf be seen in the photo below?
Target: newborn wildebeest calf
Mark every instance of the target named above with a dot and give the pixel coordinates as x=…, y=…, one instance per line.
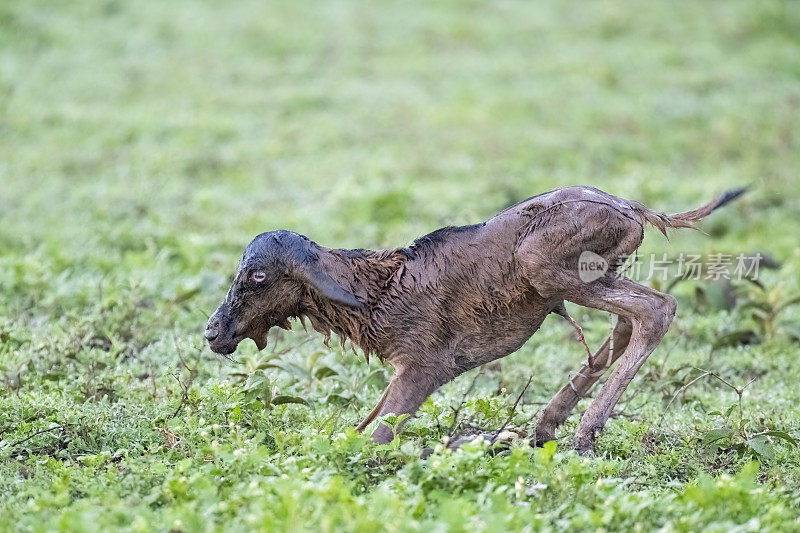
x=461, y=297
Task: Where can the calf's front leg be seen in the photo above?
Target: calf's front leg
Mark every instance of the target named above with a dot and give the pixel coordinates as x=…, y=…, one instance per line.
x=408, y=388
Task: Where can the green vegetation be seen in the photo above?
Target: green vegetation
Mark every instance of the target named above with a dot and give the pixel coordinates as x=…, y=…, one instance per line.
x=144, y=143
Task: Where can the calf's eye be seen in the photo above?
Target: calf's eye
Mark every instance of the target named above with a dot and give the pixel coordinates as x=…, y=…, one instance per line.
x=258, y=276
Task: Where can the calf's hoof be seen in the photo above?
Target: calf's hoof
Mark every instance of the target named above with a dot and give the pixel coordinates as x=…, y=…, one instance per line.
x=502, y=438
x=382, y=435
x=542, y=435
x=583, y=443
x=584, y=450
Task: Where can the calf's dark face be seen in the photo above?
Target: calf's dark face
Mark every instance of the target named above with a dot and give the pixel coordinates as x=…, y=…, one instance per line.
x=276, y=271
x=262, y=295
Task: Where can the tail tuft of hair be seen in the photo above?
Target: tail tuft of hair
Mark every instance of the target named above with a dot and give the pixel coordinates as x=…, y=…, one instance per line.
x=662, y=221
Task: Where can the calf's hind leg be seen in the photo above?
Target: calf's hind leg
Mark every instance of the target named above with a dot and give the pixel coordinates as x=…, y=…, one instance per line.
x=550, y=257
x=650, y=313
x=561, y=405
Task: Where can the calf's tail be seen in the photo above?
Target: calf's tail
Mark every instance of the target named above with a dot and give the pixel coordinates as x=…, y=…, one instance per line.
x=662, y=221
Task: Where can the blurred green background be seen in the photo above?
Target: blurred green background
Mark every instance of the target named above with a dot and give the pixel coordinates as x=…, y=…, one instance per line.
x=143, y=144
x=367, y=124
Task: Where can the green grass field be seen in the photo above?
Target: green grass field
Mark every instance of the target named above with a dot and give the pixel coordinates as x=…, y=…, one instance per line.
x=143, y=144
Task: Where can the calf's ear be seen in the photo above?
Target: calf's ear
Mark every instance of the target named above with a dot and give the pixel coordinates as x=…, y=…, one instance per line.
x=325, y=285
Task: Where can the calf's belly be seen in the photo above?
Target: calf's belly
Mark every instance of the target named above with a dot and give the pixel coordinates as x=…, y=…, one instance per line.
x=501, y=336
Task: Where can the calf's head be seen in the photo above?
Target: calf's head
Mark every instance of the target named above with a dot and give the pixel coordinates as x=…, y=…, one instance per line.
x=278, y=271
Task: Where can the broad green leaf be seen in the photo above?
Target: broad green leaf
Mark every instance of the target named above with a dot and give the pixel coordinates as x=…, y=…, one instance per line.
x=324, y=372
x=736, y=338
x=337, y=399
x=283, y=399
x=713, y=436
x=781, y=435
x=762, y=447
